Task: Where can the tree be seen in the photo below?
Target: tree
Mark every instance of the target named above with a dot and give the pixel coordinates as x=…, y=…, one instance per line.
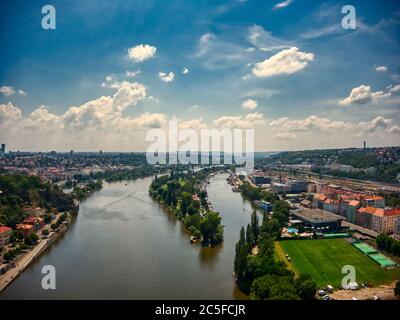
x=241, y=252
x=209, y=227
x=272, y=287
x=306, y=288
x=254, y=226
x=381, y=240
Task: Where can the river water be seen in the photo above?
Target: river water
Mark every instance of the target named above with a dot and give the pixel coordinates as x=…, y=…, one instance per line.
x=124, y=246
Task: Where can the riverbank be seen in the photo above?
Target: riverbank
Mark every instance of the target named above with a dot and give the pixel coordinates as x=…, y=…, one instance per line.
x=26, y=259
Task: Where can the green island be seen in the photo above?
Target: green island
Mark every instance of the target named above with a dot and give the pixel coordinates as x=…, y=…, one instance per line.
x=185, y=196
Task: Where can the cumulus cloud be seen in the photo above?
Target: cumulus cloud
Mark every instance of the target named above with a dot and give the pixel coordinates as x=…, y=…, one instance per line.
x=166, y=77
x=381, y=68
x=286, y=136
x=364, y=94
x=314, y=124
x=282, y=4
x=141, y=52
x=249, y=121
x=9, y=91
x=185, y=71
x=249, y=104
x=287, y=61
x=9, y=113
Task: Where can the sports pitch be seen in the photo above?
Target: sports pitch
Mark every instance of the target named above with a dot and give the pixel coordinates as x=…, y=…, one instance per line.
x=324, y=259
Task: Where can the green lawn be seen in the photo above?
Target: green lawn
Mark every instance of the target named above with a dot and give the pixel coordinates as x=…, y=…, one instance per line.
x=324, y=259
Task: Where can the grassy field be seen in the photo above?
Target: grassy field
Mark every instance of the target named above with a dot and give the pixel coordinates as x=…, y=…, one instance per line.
x=324, y=259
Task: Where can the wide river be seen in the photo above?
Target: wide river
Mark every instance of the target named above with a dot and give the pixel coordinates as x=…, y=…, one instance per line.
x=124, y=246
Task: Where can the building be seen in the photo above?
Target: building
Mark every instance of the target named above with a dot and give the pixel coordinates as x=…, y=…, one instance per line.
x=26, y=229
x=396, y=233
x=5, y=233
x=280, y=187
x=36, y=222
x=352, y=210
x=319, y=220
x=3, y=149
x=259, y=178
x=318, y=201
x=364, y=217
x=297, y=186
x=331, y=205
x=373, y=201
x=385, y=220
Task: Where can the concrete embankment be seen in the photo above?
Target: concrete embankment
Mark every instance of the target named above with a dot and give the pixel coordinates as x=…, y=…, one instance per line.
x=26, y=259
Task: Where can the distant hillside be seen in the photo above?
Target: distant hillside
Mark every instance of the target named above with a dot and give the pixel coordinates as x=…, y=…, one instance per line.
x=386, y=161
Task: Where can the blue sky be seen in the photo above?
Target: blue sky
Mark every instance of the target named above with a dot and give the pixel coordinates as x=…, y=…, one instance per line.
x=220, y=43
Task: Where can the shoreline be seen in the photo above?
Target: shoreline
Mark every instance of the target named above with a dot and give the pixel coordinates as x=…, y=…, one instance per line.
x=28, y=258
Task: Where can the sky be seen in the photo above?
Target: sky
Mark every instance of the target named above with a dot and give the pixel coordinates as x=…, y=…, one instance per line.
x=113, y=70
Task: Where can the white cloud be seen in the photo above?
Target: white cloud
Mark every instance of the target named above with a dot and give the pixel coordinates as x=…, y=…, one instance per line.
x=132, y=74
x=287, y=61
x=282, y=4
x=396, y=88
x=249, y=121
x=7, y=90
x=185, y=71
x=381, y=69
x=249, y=104
x=109, y=78
x=166, y=77
x=364, y=94
x=286, y=136
x=9, y=113
x=141, y=52
x=264, y=40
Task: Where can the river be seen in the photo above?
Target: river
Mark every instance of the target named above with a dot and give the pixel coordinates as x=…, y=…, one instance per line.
x=123, y=245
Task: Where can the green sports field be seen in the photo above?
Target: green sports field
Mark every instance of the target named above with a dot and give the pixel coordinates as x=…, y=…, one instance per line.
x=324, y=259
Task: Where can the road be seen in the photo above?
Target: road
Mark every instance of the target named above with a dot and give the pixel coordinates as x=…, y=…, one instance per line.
x=21, y=264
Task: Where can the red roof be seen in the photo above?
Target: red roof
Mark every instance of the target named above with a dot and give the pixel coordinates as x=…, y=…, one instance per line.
x=4, y=229
x=354, y=203
x=370, y=210
x=387, y=212
x=24, y=226
x=373, y=198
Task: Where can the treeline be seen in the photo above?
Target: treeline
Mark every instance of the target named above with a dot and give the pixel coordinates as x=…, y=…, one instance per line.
x=387, y=243
x=18, y=191
x=176, y=193
x=258, y=271
x=119, y=174
x=387, y=171
x=82, y=192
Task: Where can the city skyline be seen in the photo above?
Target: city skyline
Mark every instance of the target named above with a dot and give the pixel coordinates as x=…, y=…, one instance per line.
x=110, y=72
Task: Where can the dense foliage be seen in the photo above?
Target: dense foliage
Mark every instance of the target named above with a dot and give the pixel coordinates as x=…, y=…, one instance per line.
x=387, y=243
x=18, y=191
x=257, y=270
x=176, y=191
